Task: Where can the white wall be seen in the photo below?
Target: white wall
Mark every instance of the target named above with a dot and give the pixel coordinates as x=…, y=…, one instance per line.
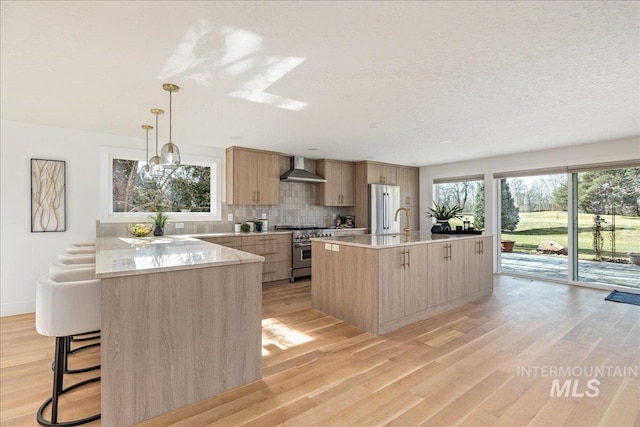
x=24, y=256
x=586, y=154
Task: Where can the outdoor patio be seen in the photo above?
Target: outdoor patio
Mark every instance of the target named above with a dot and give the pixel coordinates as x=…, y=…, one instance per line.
x=555, y=267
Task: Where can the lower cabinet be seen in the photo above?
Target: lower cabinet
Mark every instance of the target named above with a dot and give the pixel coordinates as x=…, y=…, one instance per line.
x=478, y=271
x=445, y=265
x=275, y=248
x=381, y=289
x=403, y=282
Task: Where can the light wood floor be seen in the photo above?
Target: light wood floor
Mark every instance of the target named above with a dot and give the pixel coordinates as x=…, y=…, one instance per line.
x=464, y=367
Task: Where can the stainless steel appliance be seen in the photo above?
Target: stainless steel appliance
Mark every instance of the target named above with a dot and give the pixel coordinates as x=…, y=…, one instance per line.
x=301, y=246
x=384, y=200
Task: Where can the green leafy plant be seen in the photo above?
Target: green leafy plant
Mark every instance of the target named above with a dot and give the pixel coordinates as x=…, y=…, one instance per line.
x=442, y=212
x=160, y=219
x=245, y=228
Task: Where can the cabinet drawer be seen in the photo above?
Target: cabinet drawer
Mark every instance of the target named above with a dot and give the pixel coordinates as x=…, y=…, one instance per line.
x=229, y=241
x=268, y=238
x=271, y=251
x=276, y=271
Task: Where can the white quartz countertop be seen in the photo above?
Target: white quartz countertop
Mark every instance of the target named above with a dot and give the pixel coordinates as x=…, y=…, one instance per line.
x=126, y=256
x=379, y=241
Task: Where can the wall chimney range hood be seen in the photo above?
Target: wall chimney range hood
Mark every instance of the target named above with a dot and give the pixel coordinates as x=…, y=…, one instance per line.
x=297, y=173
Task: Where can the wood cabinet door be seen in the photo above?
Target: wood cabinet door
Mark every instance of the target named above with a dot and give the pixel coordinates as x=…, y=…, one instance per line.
x=416, y=295
x=245, y=177
x=267, y=179
x=348, y=183
x=408, y=180
x=438, y=265
x=478, y=270
x=391, y=284
x=455, y=275
x=380, y=173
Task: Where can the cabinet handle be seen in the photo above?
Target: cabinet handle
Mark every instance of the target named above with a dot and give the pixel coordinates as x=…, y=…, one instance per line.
x=258, y=197
x=408, y=258
x=449, y=252
x=446, y=251
x=404, y=259
x=255, y=196
x=481, y=247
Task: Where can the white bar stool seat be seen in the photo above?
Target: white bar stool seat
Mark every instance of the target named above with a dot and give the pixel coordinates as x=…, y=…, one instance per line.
x=85, y=258
x=80, y=250
x=67, y=303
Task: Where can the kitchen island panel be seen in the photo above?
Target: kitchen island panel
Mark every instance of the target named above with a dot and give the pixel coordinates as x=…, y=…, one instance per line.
x=176, y=337
x=344, y=284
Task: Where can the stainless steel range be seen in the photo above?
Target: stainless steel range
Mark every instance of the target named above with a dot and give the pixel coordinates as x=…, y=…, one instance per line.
x=301, y=246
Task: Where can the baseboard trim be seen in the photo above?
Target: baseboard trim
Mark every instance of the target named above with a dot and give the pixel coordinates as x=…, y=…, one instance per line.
x=15, y=308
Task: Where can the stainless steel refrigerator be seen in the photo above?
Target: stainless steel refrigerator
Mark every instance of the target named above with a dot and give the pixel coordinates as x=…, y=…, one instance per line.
x=384, y=200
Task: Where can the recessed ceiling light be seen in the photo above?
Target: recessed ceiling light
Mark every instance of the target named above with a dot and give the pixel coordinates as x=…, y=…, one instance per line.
x=375, y=125
x=445, y=142
x=236, y=137
x=313, y=149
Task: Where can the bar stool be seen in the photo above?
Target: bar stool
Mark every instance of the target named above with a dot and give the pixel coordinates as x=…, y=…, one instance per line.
x=87, y=261
x=67, y=303
x=80, y=250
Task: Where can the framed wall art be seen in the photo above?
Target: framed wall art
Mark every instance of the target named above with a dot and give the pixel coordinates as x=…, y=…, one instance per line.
x=48, y=196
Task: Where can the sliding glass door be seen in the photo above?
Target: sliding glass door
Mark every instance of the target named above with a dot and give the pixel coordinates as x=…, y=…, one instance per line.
x=607, y=226
x=534, y=226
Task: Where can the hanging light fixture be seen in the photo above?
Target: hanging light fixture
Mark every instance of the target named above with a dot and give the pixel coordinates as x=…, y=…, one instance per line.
x=157, y=170
x=145, y=172
x=170, y=151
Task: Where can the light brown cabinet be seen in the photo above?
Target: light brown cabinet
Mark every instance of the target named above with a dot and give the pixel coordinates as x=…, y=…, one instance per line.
x=275, y=248
x=478, y=269
x=381, y=173
x=445, y=263
x=403, y=282
x=253, y=177
x=381, y=289
x=339, y=190
x=408, y=179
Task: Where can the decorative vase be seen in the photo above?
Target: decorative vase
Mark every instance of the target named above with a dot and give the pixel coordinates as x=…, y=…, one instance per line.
x=258, y=226
x=158, y=231
x=441, y=226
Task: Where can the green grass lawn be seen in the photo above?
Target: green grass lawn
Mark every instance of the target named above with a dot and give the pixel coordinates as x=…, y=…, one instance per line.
x=534, y=227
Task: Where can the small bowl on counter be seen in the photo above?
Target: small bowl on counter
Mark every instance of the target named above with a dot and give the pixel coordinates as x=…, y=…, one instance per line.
x=140, y=230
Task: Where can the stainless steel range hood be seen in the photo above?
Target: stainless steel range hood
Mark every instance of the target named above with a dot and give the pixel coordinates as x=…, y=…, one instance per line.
x=297, y=173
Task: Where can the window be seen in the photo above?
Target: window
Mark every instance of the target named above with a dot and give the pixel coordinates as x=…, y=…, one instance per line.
x=190, y=192
x=468, y=193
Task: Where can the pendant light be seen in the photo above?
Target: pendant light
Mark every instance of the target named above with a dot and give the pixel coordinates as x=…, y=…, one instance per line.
x=157, y=170
x=145, y=171
x=170, y=152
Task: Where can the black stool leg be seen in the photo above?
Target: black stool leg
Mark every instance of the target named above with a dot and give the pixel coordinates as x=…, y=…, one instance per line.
x=58, y=390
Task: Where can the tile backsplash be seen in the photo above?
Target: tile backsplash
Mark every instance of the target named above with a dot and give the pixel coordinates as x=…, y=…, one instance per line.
x=297, y=206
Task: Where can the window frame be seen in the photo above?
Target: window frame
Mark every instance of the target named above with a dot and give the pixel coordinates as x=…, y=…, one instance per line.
x=108, y=154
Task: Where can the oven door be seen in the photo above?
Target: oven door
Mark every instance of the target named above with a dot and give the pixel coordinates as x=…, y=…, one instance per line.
x=301, y=255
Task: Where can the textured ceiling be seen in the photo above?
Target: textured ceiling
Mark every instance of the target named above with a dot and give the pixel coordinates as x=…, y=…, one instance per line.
x=490, y=77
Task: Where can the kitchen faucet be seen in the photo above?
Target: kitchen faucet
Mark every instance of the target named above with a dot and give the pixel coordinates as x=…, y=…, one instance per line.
x=407, y=229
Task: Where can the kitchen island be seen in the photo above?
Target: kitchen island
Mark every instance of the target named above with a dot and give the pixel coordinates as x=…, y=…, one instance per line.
x=181, y=321
x=380, y=283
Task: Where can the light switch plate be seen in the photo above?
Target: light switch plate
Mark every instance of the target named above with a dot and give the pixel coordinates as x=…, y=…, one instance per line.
x=179, y=224
x=327, y=246
x=230, y=217
x=335, y=248
x=264, y=216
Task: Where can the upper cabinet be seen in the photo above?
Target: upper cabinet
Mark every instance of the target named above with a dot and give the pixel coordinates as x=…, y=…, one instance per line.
x=381, y=173
x=339, y=190
x=253, y=177
x=408, y=179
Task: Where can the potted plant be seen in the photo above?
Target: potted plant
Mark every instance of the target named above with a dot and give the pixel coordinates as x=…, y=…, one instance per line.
x=443, y=213
x=159, y=221
x=258, y=224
